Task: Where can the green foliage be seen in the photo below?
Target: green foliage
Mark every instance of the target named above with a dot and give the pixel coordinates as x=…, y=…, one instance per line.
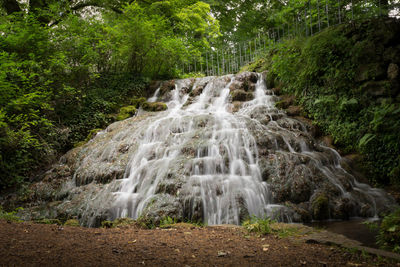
x=48, y=221
x=389, y=232
x=258, y=225
x=151, y=40
x=192, y=75
x=64, y=73
x=167, y=222
x=72, y=222
x=10, y=216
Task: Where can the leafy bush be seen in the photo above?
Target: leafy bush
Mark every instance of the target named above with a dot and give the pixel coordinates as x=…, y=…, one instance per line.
x=10, y=216
x=389, y=232
x=258, y=225
x=167, y=222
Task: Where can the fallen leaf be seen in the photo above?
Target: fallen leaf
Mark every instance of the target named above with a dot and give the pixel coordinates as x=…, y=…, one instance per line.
x=131, y=242
x=177, y=250
x=265, y=249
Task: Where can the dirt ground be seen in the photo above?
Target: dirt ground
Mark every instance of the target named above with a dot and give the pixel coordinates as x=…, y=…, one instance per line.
x=30, y=244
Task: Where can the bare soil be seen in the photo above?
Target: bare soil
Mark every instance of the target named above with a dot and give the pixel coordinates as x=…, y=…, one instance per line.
x=30, y=244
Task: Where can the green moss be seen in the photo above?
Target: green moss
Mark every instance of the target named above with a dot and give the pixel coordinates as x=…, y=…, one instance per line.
x=320, y=207
x=137, y=101
x=72, y=222
x=126, y=112
x=48, y=221
x=10, y=216
x=154, y=106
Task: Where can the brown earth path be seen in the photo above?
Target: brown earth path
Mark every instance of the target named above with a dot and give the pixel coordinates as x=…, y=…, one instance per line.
x=30, y=244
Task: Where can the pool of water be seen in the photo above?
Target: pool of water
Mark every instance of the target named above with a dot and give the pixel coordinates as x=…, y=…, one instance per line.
x=353, y=229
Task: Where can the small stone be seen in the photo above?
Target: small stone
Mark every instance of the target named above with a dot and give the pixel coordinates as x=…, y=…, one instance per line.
x=221, y=254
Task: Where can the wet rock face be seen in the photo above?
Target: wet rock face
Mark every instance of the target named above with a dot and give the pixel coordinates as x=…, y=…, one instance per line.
x=209, y=157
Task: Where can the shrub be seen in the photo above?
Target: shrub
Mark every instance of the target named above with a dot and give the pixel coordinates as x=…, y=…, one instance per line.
x=389, y=232
x=257, y=225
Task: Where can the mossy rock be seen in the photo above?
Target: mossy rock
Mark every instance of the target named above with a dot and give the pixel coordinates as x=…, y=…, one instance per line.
x=72, y=222
x=241, y=95
x=320, y=207
x=137, y=101
x=285, y=102
x=154, y=106
x=126, y=112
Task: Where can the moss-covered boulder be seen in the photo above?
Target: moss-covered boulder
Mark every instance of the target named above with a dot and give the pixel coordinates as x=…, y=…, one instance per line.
x=126, y=112
x=137, y=101
x=320, y=207
x=154, y=106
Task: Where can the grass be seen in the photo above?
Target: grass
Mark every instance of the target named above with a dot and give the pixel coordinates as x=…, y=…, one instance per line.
x=265, y=226
x=10, y=216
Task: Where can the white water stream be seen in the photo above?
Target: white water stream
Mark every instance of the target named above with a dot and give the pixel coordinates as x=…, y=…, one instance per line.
x=207, y=153
x=224, y=168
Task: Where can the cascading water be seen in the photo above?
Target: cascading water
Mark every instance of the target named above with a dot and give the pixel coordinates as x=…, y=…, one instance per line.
x=224, y=168
x=219, y=153
x=223, y=172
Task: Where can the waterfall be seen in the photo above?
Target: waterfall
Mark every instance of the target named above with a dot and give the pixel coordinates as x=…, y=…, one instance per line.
x=207, y=157
x=220, y=153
